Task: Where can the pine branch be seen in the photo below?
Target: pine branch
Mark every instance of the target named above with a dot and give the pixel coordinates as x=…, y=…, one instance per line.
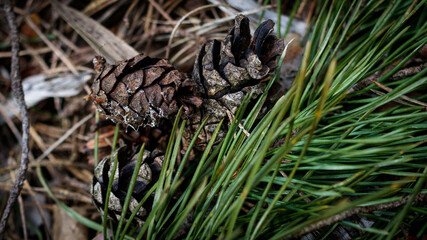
x=18, y=93
x=366, y=209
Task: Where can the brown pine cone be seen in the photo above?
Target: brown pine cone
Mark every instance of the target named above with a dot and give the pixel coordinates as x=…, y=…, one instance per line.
x=142, y=90
x=139, y=91
x=147, y=176
x=225, y=71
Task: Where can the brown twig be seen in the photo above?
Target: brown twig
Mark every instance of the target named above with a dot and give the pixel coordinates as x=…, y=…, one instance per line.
x=18, y=93
x=408, y=71
x=358, y=210
x=402, y=96
x=402, y=73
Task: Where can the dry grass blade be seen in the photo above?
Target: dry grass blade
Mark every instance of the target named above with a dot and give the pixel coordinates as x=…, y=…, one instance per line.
x=9, y=122
x=55, y=49
x=180, y=22
x=65, y=136
x=161, y=11
x=30, y=191
x=27, y=52
x=102, y=40
x=21, y=209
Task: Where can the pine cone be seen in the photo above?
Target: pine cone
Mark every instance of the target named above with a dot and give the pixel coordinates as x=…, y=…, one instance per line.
x=225, y=71
x=138, y=91
x=147, y=176
x=142, y=90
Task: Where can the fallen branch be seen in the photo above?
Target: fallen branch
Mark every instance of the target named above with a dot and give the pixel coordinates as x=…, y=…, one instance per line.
x=358, y=210
x=18, y=93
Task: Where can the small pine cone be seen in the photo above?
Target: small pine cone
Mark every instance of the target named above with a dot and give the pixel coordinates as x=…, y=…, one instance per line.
x=225, y=71
x=138, y=91
x=147, y=176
